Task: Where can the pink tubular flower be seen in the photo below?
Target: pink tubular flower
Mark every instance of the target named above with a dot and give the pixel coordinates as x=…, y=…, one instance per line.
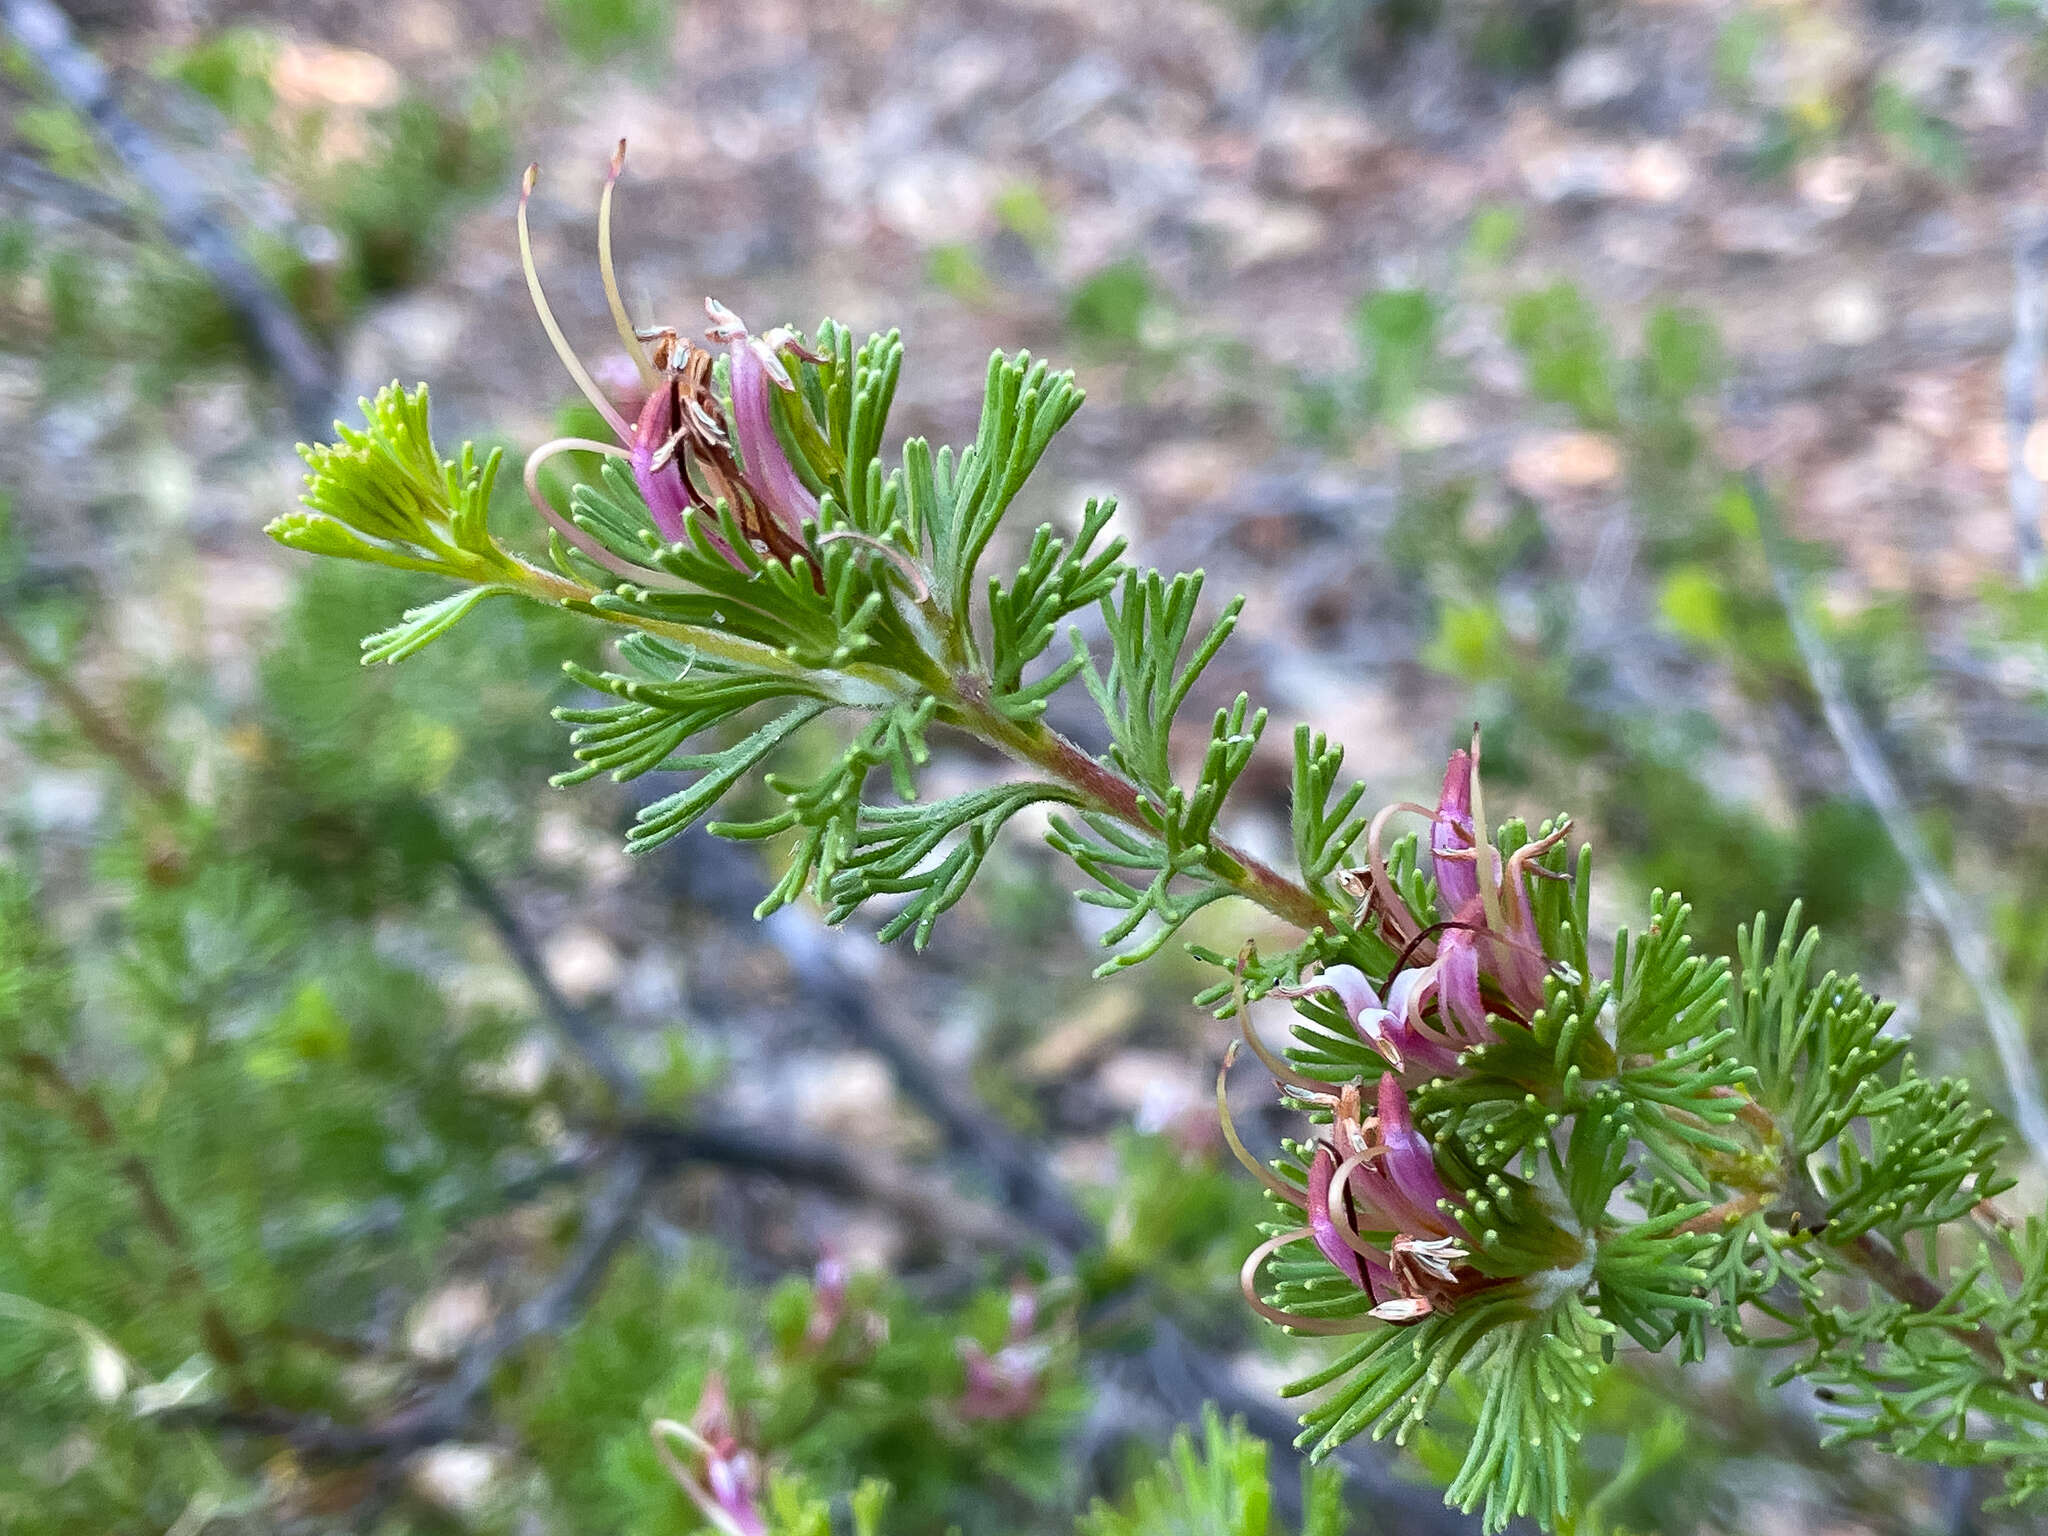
x=1371, y=1199
x=723, y=1479
x=1011, y=1382
x=1478, y=964
x=757, y=368
x=1373, y=1204
x=828, y=1300
x=686, y=457
x=1483, y=898
x=1451, y=836
x=1397, y=1028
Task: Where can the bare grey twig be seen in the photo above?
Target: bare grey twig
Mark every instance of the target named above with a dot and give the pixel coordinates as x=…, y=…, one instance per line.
x=972, y=1129
x=813, y=1164
x=581, y=1032
x=442, y=1415
x=2023, y=360
x=608, y=1221
x=44, y=32
x=31, y=181
x=1873, y=779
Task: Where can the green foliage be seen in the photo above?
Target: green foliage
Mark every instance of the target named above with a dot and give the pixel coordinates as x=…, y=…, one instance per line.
x=383, y=494
x=739, y=632
x=958, y=270
x=1057, y=579
x=1875, y=1155
x=1565, y=346
x=456, y=745
x=1494, y=235
x=1915, y=135
x=60, y=136
x=954, y=510
x=1220, y=1488
x=434, y=154
x=230, y=68
x=1741, y=39
x=1162, y=1220
x=876, y=1398
x=1021, y=209
x=1536, y=1374
x=600, y=29
x=1110, y=310
x=167, y=1253
x=1157, y=872
x=1326, y=820
x=420, y=159
x=1652, y=1145
x=1397, y=332
x=325, y=1131
x=153, y=313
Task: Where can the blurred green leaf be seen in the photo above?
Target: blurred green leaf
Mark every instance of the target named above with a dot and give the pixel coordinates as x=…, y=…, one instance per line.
x=1397, y=332
x=1565, y=345
x=1110, y=307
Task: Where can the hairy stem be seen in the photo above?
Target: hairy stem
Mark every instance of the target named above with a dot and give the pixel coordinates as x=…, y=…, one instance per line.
x=1104, y=789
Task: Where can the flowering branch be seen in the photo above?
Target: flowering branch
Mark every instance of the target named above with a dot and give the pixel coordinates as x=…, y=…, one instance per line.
x=1513, y=1154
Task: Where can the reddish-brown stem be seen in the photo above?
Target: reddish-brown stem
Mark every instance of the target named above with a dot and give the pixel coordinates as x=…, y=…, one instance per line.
x=1892, y=1272
x=85, y=1112
x=93, y=724
x=1110, y=792
x=1728, y=1211
x=1889, y=1268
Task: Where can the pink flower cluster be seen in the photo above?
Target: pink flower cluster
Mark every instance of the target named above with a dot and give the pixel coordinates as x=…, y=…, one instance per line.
x=1372, y=1202
x=1009, y=1383
x=687, y=456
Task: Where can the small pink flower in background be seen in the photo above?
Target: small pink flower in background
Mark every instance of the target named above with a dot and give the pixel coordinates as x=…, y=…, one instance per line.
x=1011, y=1382
x=828, y=1300
x=833, y=1322
x=723, y=1478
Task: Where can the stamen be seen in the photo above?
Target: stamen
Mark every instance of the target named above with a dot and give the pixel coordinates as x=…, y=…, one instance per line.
x=1339, y=1190
x=631, y=337
x=1345, y=1124
x=1403, y=1309
x=1376, y=862
x=1434, y=1256
x=1291, y=1193
x=1282, y=1073
x=1482, y=839
x=668, y=449
x=1248, y=1282
x=584, y=542
x=1349, y=882
x=725, y=325
x=568, y=356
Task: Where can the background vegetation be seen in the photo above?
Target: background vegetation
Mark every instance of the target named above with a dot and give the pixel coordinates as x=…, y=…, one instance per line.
x=382, y=1149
